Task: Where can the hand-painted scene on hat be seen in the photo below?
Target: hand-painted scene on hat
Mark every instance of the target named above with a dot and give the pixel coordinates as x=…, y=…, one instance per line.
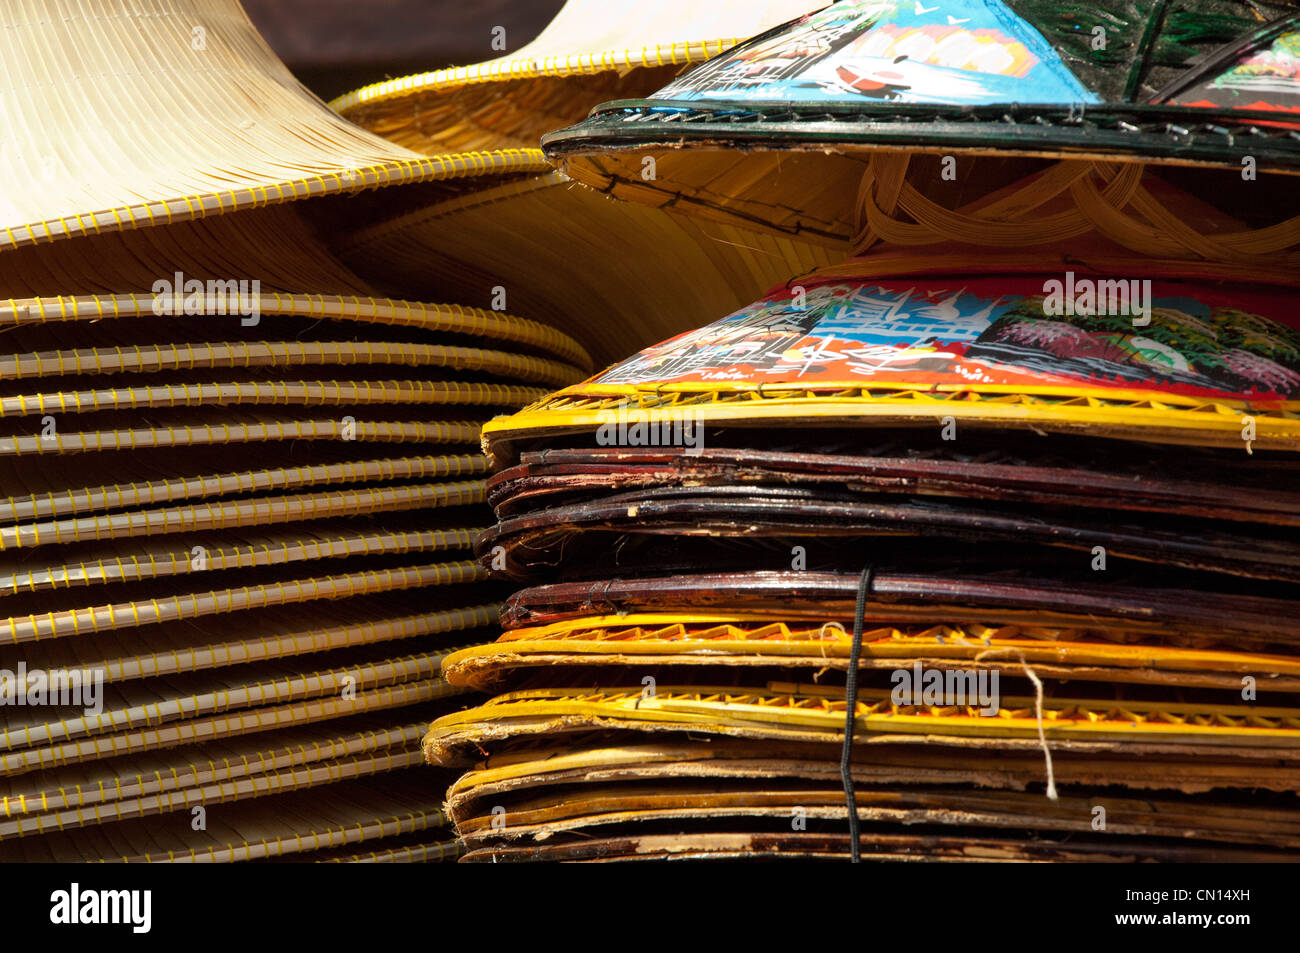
x=1171, y=337
x=1264, y=77
x=971, y=52
x=952, y=51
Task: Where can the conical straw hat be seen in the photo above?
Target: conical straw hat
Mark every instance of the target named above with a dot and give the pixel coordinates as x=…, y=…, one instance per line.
x=32, y=738
x=910, y=199
x=88, y=795
x=600, y=792
x=710, y=761
x=355, y=814
x=536, y=813
x=299, y=629
x=578, y=261
x=215, y=123
x=174, y=281
x=121, y=562
x=65, y=496
x=562, y=255
x=891, y=762
x=1131, y=480
x=783, y=128
x=142, y=427
x=616, y=792
x=718, y=525
x=957, y=847
x=987, y=593
x=594, y=50
x=162, y=771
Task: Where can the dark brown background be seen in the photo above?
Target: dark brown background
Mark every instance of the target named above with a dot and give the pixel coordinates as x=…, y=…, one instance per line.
x=337, y=45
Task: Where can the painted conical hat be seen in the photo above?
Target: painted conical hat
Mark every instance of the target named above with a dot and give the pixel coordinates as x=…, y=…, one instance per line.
x=1203, y=363
x=781, y=129
x=590, y=52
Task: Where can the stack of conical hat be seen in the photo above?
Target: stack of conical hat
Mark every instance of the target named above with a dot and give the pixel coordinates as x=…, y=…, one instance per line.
x=912, y=558
x=240, y=486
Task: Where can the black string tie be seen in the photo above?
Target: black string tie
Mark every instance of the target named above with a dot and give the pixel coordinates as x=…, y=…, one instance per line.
x=850, y=711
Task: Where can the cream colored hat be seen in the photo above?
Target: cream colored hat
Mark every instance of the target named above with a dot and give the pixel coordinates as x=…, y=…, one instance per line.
x=593, y=51
x=237, y=596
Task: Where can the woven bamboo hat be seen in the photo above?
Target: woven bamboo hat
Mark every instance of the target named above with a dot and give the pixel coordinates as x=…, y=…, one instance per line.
x=695, y=643
x=627, y=673
x=177, y=110
x=231, y=636
x=358, y=818
x=590, y=52
x=608, y=273
x=563, y=254
x=162, y=685
x=778, y=131
x=197, y=525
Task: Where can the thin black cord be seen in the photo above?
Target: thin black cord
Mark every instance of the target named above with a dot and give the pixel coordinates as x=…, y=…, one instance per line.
x=850, y=710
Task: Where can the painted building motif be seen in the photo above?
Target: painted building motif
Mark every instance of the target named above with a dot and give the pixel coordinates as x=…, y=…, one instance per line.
x=1185, y=339
x=943, y=51
x=1264, y=78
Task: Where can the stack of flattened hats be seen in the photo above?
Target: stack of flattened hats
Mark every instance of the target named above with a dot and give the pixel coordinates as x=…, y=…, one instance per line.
x=238, y=487
x=979, y=545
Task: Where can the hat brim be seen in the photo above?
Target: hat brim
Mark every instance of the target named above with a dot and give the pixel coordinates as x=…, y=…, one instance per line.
x=700, y=644
x=589, y=53
x=525, y=237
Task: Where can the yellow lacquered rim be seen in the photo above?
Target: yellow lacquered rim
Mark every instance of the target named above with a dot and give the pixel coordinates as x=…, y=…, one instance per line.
x=201, y=205
x=497, y=71
x=785, y=706
x=493, y=325
x=696, y=640
x=1134, y=414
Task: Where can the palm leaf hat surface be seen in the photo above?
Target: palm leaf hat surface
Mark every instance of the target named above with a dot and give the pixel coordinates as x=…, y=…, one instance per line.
x=592, y=50
x=565, y=254
x=177, y=109
x=239, y=485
